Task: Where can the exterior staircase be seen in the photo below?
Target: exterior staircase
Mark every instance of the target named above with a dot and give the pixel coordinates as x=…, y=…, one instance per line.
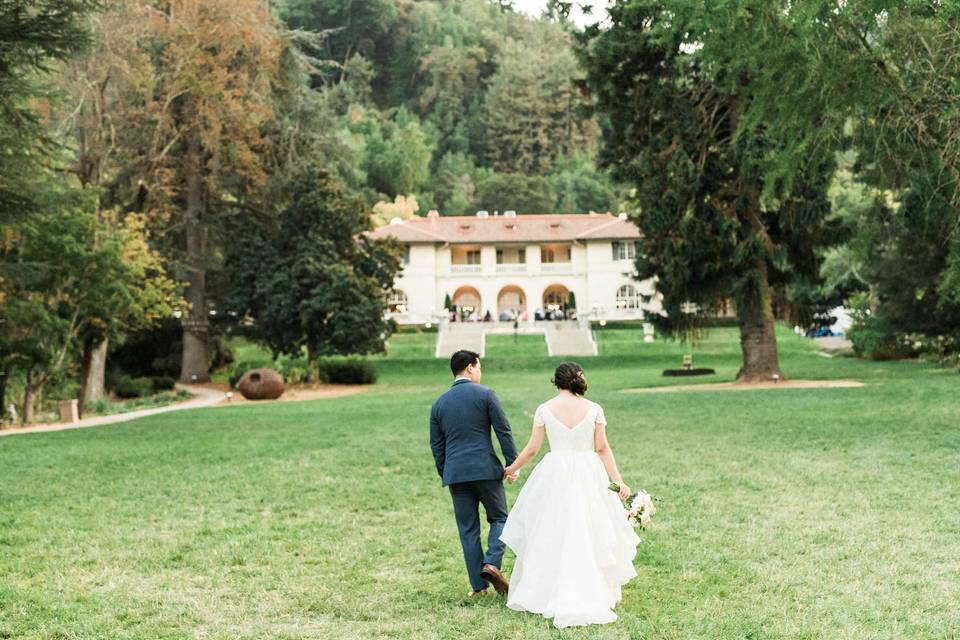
x=570, y=339
x=454, y=336
x=563, y=338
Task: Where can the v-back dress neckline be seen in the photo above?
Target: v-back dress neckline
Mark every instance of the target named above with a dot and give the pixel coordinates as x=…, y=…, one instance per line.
x=562, y=423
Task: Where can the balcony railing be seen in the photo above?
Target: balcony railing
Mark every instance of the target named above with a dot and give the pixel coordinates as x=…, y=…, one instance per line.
x=512, y=267
x=555, y=267
x=465, y=268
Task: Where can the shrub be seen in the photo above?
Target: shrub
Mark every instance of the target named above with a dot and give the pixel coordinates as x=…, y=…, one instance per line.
x=944, y=350
x=880, y=345
x=241, y=368
x=415, y=328
x=347, y=370
x=127, y=387
x=293, y=370
x=163, y=383
x=100, y=406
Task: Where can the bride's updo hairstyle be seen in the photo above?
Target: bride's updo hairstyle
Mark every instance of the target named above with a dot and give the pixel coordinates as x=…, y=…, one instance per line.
x=569, y=376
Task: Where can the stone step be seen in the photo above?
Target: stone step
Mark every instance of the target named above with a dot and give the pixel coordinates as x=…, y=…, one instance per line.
x=571, y=342
x=563, y=339
x=449, y=343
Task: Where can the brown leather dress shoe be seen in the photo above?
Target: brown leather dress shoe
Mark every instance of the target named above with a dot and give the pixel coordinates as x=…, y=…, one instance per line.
x=492, y=575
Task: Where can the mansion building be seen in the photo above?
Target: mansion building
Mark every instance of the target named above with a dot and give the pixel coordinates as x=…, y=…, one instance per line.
x=517, y=266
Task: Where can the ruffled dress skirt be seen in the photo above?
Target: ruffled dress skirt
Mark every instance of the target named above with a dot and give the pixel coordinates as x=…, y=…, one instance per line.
x=574, y=545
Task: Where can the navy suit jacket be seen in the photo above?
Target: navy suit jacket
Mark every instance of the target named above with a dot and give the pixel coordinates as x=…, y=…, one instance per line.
x=460, y=422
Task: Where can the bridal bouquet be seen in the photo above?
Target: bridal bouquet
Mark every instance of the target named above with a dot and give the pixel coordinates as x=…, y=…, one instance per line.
x=640, y=507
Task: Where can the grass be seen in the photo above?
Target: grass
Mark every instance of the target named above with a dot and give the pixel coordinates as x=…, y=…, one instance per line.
x=519, y=346
x=787, y=513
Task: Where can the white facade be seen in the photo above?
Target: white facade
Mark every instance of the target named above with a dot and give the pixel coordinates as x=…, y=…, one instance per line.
x=520, y=278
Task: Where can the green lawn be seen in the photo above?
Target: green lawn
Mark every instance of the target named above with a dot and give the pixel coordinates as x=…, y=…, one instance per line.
x=786, y=513
x=519, y=346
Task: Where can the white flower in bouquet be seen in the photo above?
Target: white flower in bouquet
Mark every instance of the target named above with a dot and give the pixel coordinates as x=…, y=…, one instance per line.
x=639, y=508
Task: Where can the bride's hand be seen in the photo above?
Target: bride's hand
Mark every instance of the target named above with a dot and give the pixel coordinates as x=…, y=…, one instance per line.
x=624, y=491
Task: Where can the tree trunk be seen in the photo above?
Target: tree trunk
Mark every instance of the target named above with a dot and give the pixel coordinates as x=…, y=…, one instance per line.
x=93, y=372
x=3, y=397
x=313, y=370
x=194, y=364
x=29, y=398
x=758, y=338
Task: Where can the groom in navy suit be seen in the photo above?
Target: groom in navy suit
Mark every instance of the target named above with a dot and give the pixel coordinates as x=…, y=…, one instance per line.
x=460, y=422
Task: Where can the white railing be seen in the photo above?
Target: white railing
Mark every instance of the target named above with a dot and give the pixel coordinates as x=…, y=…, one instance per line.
x=465, y=268
x=556, y=267
x=512, y=267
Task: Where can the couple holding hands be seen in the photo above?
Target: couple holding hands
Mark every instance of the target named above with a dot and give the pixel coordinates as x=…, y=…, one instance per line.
x=573, y=542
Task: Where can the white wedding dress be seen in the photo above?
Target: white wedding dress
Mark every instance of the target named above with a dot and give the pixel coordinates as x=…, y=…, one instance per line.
x=570, y=534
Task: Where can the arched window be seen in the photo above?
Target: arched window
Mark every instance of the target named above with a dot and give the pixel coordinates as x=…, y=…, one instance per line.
x=397, y=302
x=627, y=297
x=555, y=297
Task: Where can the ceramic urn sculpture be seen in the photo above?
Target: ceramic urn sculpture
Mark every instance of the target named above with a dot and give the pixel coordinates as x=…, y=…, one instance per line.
x=261, y=384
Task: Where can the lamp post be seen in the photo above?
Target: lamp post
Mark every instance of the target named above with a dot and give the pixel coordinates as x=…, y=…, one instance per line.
x=689, y=309
x=597, y=311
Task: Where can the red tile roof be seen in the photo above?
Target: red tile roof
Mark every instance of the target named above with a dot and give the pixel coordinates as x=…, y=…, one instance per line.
x=566, y=227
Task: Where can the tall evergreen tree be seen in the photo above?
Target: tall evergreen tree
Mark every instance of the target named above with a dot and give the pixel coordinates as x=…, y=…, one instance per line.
x=34, y=36
x=533, y=108
x=674, y=133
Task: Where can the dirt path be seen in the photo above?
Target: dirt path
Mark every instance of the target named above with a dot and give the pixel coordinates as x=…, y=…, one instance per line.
x=202, y=397
x=298, y=393
x=833, y=343
x=735, y=386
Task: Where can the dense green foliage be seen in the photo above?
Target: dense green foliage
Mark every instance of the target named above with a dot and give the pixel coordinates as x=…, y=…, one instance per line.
x=874, y=81
x=451, y=101
x=66, y=270
x=801, y=513
x=314, y=282
x=745, y=138
x=34, y=36
x=350, y=370
x=787, y=90
x=674, y=133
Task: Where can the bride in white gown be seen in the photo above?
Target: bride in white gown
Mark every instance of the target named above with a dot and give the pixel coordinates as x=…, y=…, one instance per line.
x=573, y=543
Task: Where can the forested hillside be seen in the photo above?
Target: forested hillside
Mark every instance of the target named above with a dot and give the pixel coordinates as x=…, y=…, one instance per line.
x=460, y=105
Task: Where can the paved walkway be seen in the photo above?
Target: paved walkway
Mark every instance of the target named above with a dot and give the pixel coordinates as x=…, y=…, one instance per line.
x=833, y=342
x=202, y=397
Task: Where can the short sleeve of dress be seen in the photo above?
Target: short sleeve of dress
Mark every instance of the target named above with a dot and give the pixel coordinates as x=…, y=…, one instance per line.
x=538, y=420
x=599, y=418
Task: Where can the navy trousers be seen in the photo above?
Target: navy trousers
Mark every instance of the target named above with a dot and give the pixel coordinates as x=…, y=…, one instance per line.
x=467, y=496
